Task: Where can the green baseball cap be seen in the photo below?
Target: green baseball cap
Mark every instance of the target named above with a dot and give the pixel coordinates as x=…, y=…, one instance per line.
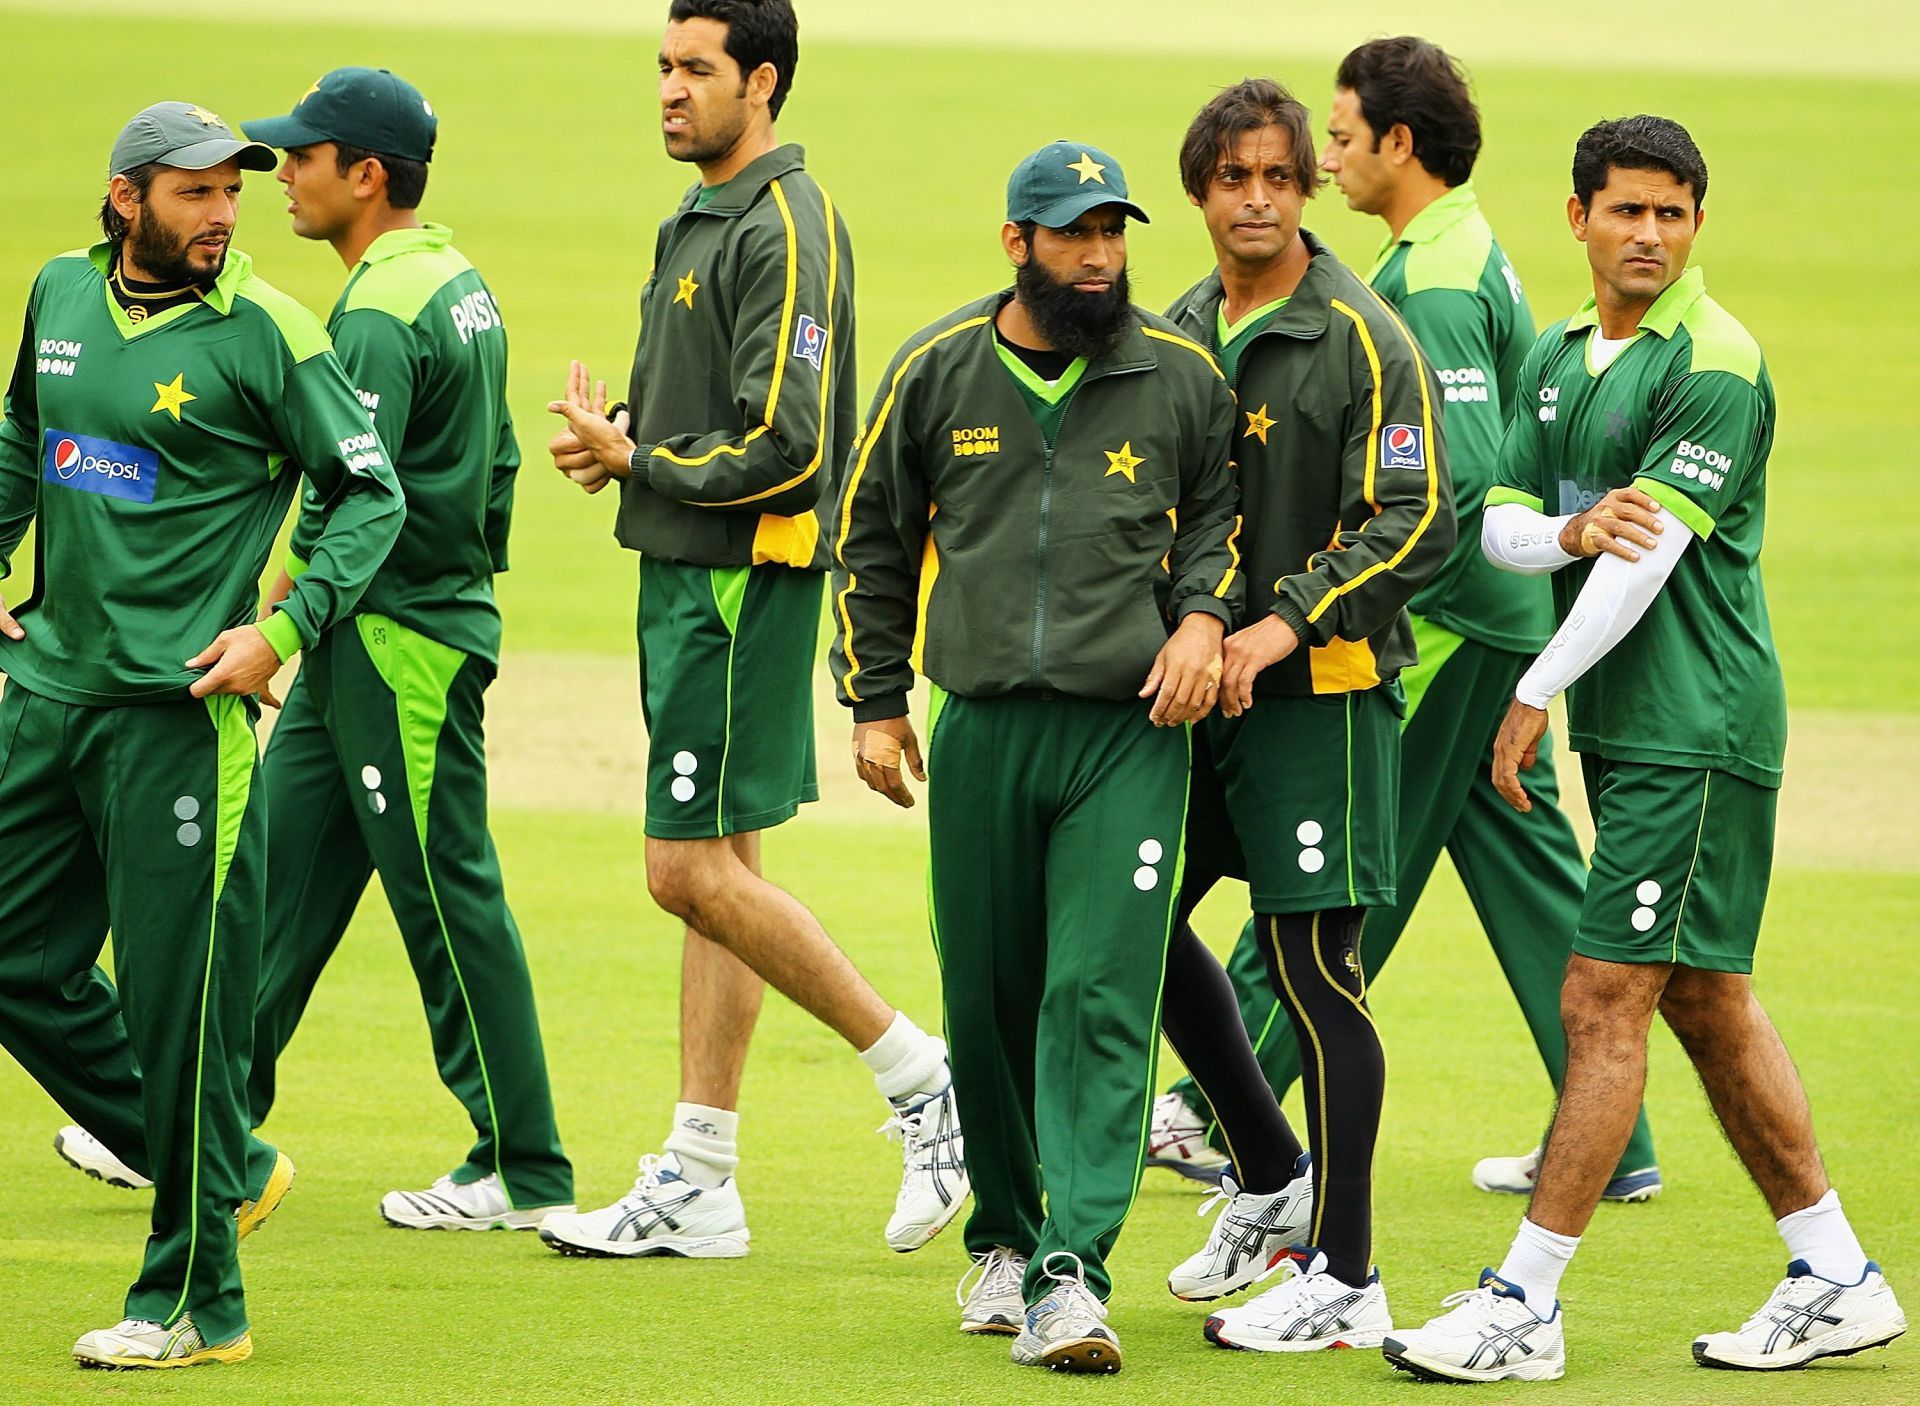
x=1062, y=181
x=371, y=108
x=185, y=135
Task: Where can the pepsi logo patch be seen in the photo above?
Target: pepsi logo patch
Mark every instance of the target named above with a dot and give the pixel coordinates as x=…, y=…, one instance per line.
x=1402, y=447
x=101, y=466
x=810, y=342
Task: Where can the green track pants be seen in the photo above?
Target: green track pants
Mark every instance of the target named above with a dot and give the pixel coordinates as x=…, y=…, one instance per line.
x=145, y=819
x=1055, y=830
x=1523, y=873
x=379, y=762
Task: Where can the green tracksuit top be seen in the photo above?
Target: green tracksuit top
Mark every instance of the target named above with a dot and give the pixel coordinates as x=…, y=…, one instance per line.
x=420, y=336
x=1343, y=474
x=1451, y=283
x=993, y=558
x=743, y=391
x=1686, y=413
x=159, y=458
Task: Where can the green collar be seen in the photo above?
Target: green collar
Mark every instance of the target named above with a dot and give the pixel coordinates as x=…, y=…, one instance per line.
x=396, y=242
x=736, y=197
x=1225, y=333
x=219, y=297
x=1663, y=318
x=1308, y=306
x=1047, y=392
x=1432, y=222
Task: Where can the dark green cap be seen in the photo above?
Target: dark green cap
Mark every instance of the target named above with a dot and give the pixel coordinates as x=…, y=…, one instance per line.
x=185, y=135
x=370, y=108
x=1062, y=181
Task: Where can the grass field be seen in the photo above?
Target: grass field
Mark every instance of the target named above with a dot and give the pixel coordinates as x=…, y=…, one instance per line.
x=552, y=177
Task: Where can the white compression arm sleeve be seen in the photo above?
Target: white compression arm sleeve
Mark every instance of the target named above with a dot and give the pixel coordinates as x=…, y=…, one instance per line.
x=1516, y=538
x=1616, y=595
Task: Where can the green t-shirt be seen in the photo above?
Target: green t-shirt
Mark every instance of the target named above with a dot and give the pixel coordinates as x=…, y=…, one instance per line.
x=1232, y=340
x=1686, y=413
x=421, y=338
x=1449, y=281
x=1045, y=400
x=157, y=459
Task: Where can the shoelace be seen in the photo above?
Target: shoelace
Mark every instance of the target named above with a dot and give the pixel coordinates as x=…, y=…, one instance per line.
x=1072, y=1283
x=1781, y=1297
x=1225, y=1190
x=1478, y=1303
x=645, y=1185
x=999, y=1270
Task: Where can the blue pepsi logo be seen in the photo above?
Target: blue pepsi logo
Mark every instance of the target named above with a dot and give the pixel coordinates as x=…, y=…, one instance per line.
x=1402, y=447
x=102, y=466
x=810, y=342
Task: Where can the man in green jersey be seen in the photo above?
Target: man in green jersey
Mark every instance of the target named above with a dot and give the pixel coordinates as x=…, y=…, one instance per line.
x=164, y=405
x=1641, y=450
x=1041, y=519
x=741, y=410
x=1403, y=135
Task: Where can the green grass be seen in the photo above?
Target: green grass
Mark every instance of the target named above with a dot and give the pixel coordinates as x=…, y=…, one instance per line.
x=550, y=173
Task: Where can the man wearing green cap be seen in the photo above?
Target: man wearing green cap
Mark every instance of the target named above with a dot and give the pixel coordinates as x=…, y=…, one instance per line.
x=1041, y=518
x=378, y=761
x=158, y=469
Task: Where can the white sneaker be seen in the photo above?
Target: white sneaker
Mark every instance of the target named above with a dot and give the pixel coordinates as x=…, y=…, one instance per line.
x=1808, y=1317
x=1307, y=1311
x=1177, y=1140
x=664, y=1214
x=139, y=1342
x=84, y=1152
x=1515, y=1176
x=1489, y=1336
x=1251, y=1236
x=996, y=1303
x=451, y=1205
x=933, y=1169
x=1067, y=1330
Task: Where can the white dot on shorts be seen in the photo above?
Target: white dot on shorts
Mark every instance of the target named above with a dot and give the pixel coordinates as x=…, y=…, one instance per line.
x=186, y=808
x=1150, y=851
x=682, y=788
x=188, y=834
x=1309, y=833
x=377, y=803
x=1145, y=877
x=1648, y=892
x=370, y=777
x=1312, y=860
x=1643, y=918
x=685, y=763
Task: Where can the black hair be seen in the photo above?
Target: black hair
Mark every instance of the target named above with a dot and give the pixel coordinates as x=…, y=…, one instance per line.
x=1642, y=143
x=1247, y=106
x=758, y=31
x=406, y=180
x=1416, y=82
x=112, y=223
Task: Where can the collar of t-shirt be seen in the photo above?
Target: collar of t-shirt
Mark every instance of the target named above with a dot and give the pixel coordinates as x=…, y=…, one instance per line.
x=1601, y=351
x=141, y=300
x=1048, y=365
x=707, y=195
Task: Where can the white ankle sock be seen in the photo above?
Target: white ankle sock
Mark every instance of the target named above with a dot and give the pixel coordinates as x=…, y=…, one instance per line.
x=1821, y=1236
x=906, y=1061
x=1535, y=1263
x=704, y=1141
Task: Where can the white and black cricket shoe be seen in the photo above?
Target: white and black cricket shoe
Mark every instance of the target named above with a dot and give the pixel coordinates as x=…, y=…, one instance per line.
x=1808, y=1318
x=452, y=1205
x=664, y=1214
x=1308, y=1311
x=1490, y=1335
x=1250, y=1237
x=933, y=1169
x=84, y=1152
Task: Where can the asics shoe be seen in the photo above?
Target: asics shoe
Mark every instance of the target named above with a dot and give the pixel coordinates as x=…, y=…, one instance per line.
x=84, y=1152
x=933, y=1169
x=995, y=1303
x=1067, y=1330
x=664, y=1214
x=140, y=1343
x=1490, y=1335
x=1807, y=1318
x=1306, y=1311
x=1251, y=1235
x=1516, y=1176
x=1177, y=1140
x=451, y=1205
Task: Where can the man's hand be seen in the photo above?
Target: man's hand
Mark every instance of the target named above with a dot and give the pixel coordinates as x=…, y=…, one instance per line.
x=242, y=662
x=1620, y=522
x=592, y=448
x=1249, y=651
x=877, y=751
x=1515, y=749
x=9, y=626
x=1185, y=678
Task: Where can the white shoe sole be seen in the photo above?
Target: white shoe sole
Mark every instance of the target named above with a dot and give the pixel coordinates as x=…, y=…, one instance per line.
x=1219, y=1337
x=1204, y=1292
x=113, y=1172
x=999, y=1323
x=506, y=1220
x=905, y=1242
x=1409, y=1359
x=1842, y=1342
x=690, y=1247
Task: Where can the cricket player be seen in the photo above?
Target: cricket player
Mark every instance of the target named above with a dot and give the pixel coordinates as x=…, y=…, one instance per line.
x=164, y=406
x=1343, y=477
x=741, y=410
x=1641, y=454
x=1403, y=135
x=1041, y=519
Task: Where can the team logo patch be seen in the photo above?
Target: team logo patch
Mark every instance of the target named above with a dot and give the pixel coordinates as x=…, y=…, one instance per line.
x=1402, y=447
x=810, y=342
x=101, y=466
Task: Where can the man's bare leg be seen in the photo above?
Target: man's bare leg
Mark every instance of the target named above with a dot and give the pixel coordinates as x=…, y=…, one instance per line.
x=720, y=999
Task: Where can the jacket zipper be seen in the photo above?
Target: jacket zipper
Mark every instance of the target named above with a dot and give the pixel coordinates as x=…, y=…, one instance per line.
x=1036, y=678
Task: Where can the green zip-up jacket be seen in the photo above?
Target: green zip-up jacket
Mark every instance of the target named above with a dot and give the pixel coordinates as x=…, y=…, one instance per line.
x=743, y=392
x=419, y=335
x=1343, y=475
x=158, y=458
x=970, y=548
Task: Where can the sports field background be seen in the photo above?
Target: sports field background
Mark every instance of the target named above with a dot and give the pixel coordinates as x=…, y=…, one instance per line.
x=551, y=173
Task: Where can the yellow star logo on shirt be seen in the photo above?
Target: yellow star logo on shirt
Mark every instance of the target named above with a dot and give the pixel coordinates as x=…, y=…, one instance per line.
x=687, y=289
x=1089, y=169
x=1122, y=461
x=172, y=397
x=207, y=119
x=1257, y=425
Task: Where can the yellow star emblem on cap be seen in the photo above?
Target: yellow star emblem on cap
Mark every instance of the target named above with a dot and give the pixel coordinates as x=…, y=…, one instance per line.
x=1257, y=425
x=1122, y=461
x=310, y=92
x=687, y=289
x=172, y=397
x=207, y=119
x=1089, y=169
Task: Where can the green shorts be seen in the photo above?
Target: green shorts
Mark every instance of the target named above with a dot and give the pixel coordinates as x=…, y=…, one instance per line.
x=1681, y=860
x=726, y=688
x=1300, y=797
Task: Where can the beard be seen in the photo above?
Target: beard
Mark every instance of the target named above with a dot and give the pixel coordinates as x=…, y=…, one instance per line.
x=165, y=256
x=697, y=146
x=1077, y=323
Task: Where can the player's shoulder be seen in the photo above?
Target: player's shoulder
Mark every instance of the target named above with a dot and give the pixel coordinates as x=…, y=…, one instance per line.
x=1455, y=259
x=275, y=315
x=1375, y=329
x=1717, y=341
x=1174, y=348
x=946, y=340
x=70, y=268
x=405, y=284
